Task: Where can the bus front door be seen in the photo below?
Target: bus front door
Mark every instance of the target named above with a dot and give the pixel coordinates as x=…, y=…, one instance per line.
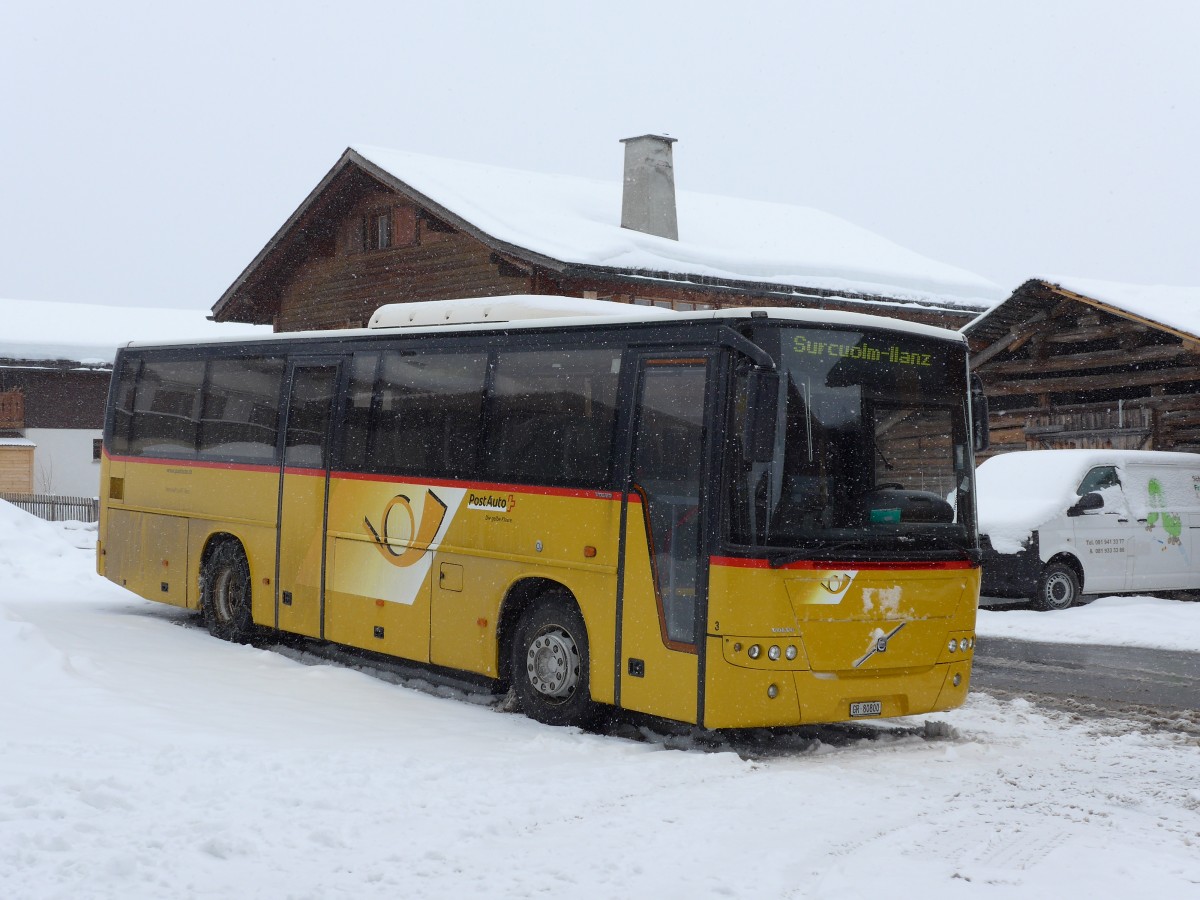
x=303, y=487
x=665, y=571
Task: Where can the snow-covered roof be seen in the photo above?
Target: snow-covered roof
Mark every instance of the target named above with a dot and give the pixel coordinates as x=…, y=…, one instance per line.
x=36, y=330
x=577, y=221
x=1167, y=307
x=16, y=442
x=1176, y=308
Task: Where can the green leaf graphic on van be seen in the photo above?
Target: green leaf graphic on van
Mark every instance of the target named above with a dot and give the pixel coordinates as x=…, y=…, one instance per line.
x=1172, y=524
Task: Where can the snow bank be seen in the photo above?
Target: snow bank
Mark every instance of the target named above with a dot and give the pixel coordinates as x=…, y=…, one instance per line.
x=32, y=550
x=1115, y=621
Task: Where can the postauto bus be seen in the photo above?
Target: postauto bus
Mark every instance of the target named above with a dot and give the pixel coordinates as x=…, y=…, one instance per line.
x=734, y=518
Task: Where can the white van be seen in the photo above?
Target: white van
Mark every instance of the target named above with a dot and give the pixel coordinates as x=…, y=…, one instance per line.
x=1057, y=524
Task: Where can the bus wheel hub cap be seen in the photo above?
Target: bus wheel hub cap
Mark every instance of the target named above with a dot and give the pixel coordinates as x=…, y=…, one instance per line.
x=553, y=663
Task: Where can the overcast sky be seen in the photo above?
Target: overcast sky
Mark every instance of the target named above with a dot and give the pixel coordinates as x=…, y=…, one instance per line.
x=149, y=150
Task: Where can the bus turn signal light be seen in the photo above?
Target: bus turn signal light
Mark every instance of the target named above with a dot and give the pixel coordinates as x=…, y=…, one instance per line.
x=589, y=552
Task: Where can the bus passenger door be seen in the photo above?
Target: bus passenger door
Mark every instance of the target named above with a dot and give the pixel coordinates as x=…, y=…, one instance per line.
x=303, y=488
x=664, y=572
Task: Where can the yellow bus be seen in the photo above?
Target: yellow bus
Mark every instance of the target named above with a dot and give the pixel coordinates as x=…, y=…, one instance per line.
x=733, y=518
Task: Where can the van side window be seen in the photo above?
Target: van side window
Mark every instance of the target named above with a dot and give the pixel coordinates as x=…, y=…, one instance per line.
x=1097, y=479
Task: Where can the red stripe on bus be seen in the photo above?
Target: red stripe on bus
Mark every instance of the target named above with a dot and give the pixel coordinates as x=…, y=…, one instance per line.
x=382, y=479
x=741, y=562
x=498, y=487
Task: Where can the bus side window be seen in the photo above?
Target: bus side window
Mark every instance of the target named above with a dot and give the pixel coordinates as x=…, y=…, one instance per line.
x=427, y=418
x=356, y=421
x=166, y=411
x=241, y=408
x=123, y=406
x=552, y=417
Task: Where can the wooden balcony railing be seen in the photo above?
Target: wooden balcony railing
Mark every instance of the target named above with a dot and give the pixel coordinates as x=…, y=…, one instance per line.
x=12, y=409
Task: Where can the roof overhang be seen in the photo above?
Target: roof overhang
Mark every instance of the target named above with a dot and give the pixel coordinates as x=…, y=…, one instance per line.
x=1034, y=300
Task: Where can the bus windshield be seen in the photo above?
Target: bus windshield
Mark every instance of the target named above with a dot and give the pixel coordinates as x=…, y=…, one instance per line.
x=871, y=454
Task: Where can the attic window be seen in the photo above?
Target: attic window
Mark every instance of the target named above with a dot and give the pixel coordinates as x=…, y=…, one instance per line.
x=383, y=229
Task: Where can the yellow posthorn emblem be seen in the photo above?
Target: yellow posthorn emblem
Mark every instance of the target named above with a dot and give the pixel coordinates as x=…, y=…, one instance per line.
x=419, y=536
x=837, y=582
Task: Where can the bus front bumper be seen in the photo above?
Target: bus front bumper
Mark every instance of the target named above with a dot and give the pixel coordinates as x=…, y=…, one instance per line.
x=737, y=697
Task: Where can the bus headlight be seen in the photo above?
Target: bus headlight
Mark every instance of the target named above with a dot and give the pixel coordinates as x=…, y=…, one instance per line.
x=773, y=653
x=790, y=652
x=754, y=652
x=953, y=645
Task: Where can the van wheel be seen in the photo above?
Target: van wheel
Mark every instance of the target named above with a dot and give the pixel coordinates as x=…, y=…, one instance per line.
x=1058, y=588
x=225, y=594
x=549, y=663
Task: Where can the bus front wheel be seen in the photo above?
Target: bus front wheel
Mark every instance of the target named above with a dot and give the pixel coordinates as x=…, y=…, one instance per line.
x=225, y=594
x=549, y=663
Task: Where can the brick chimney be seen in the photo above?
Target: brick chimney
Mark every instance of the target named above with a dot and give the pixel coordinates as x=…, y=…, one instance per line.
x=648, y=198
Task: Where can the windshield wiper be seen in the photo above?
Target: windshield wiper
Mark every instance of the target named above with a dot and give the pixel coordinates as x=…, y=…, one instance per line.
x=779, y=559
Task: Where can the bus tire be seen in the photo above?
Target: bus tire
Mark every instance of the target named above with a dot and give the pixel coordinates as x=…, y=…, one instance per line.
x=549, y=663
x=1057, y=589
x=225, y=594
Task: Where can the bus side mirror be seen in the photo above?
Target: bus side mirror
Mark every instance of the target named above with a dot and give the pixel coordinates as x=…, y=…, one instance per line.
x=762, y=399
x=979, y=415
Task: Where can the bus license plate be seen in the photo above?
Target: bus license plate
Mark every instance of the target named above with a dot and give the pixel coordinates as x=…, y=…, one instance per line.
x=870, y=708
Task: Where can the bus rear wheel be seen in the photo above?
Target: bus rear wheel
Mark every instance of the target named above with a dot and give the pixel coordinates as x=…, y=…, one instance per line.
x=1058, y=588
x=225, y=594
x=549, y=663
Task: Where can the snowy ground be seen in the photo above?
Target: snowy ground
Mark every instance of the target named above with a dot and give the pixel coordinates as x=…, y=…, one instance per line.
x=142, y=759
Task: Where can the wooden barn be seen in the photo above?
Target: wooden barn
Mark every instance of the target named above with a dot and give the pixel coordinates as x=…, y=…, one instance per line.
x=387, y=227
x=1076, y=363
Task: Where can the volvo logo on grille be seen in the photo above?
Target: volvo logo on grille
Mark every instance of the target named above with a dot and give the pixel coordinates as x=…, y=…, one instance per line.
x=879, y=645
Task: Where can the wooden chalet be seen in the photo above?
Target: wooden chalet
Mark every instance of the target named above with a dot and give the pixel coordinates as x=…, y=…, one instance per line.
x=1085, y=364
x=387, y=227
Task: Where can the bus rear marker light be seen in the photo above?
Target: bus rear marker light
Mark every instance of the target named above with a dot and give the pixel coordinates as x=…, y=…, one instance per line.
x=481, y=622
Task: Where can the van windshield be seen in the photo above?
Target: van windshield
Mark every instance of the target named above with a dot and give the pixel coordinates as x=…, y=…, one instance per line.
x=871, y=453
